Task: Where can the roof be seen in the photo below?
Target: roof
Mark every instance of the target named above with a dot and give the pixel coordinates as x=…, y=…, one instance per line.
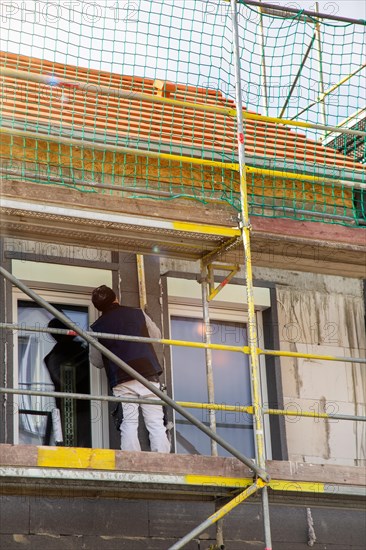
x=132, y=121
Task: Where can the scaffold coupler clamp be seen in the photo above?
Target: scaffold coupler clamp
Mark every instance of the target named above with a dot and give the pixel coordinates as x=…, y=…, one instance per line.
x=262, y=480
x=201, y=278
x=242, y=225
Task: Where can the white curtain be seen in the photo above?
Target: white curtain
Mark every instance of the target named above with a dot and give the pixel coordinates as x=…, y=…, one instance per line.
x=33, y=375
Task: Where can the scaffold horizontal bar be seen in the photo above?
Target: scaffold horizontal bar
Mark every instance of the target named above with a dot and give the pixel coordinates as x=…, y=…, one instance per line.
x=312, y=213
x=310, y=414
x=185, y=404
x=77, y=85
x=347, y=120
x=87, y=397
x=117, y=149
x=184, y=226
x=108, y=336
x=203, y=484
x=278, y=353
x=302, y=177
x=183, y=343
x=303, y=124
x=302, y=12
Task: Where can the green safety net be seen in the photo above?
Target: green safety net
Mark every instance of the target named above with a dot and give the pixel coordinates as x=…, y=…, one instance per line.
x=73, y=113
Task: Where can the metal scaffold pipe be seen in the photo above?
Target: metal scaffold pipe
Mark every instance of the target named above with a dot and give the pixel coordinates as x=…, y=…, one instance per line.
x=185, y=343
x=282, y=353
x=115, y=148
x=310, y=414
x=252, y=322
x=218, y=515
x=85, y=144
x=208, y=355
x=298, y=11
x=329, y=91
x=134, y=374
x=141, y=280
x=92, y=88
x=88, y=397
x=123, y=337
x=186, y=404
x=209, y=376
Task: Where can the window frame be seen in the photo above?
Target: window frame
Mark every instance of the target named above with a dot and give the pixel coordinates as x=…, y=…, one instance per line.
x=189, y=308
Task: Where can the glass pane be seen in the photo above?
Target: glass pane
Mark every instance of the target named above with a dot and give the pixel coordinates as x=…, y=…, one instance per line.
x=33, y=348
x=231, y=383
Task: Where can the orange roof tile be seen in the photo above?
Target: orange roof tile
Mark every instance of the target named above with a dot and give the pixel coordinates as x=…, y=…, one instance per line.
x=158, y=124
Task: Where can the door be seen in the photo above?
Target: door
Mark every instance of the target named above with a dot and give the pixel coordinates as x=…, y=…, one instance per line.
x=49, y=362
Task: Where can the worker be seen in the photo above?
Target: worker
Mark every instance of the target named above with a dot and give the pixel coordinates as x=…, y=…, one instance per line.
x=141, y=356
x=68, y=366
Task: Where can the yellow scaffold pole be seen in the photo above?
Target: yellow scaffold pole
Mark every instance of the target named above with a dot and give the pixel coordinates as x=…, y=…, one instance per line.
x=252, y=324
x=219, y=514
x=141, y=280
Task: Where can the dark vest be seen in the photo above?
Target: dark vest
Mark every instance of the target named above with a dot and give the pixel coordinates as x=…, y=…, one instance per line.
x=138, y=355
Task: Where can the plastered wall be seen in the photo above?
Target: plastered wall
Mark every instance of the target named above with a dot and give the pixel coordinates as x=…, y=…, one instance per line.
x=320, y=314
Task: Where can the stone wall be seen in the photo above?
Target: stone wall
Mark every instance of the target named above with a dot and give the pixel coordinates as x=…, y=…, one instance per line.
x=35, y=522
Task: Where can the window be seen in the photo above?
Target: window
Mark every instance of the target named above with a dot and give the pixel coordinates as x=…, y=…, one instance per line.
x=231, y=383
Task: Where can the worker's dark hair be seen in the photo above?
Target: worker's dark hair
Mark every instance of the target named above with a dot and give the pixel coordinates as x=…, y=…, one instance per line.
x=103, y=297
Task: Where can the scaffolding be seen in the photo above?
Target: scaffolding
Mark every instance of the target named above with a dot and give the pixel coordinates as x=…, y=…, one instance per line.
x=158, y=138
x=218, y=240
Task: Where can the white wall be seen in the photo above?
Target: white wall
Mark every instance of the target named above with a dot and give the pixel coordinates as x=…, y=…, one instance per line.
x=319, y=322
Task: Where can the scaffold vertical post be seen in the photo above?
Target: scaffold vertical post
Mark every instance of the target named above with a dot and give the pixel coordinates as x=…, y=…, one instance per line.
x=208, y=354
x=320, y=60
x=252, y=325
x=141, y=280
x=209, y=375
x=264, y=66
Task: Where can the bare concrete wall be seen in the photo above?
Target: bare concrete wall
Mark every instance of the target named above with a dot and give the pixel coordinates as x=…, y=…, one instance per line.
x=322, y=314
x=331, y=324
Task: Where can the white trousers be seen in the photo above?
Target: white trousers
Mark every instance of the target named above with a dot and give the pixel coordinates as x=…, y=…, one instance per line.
x=153, y=417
